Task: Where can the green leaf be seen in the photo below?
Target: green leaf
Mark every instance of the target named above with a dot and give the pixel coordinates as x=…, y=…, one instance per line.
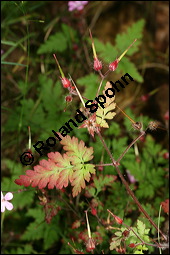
x=55, y=43
x=70, y=34
x=114, y=130
x=126, y=66
x=106, y=51
x=102, y=181
x=27, y=249
x=118, y=146
x=91, y=83
x=140, y=227
x=115, y=243
x=60, y=41
x=143, y=232
x=123, y=40
x=23, y=198
x=38, y=229
x=138, y=252
x=109, y=53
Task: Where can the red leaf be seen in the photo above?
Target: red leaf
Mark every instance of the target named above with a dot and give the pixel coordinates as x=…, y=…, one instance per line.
x=59, y=169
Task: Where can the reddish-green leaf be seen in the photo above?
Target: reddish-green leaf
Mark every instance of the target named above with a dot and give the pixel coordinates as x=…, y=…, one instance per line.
x=59, y=169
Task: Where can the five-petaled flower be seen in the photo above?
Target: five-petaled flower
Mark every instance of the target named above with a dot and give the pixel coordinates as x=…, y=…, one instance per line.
x=76, y=5
x=4, y=201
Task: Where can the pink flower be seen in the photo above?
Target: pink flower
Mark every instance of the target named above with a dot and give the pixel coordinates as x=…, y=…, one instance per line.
x=131, y=177
x=76, y=5
x=5, y=203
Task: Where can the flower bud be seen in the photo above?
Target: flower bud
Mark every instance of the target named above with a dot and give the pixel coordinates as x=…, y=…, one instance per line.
x=68, y=98
x=118, y=220
x=131, y=245
x=166, y=155
x=125, y=233
x=93, y=211
x=66, y=83
x=97, y=64
x=113, y=65
x=145, y=98
x=166, y=115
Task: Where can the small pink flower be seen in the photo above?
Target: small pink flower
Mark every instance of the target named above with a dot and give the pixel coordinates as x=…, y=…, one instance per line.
x=131, y=177
x=76, y=5
x=5, y=203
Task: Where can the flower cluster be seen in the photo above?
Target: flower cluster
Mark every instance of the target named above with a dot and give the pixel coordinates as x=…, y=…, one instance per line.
x=76, y=5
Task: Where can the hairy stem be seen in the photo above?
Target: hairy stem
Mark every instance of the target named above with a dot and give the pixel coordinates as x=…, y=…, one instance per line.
x=100, y=86
x=129, y=191
x=108, y=164
x=130, y=145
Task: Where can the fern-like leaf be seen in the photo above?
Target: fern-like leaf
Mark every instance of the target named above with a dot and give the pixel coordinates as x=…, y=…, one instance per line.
x=56, y=42
x=107, y=113
x=59, y=169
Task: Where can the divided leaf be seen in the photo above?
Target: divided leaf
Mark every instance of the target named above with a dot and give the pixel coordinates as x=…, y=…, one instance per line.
x=107, y=113
x=59, y=169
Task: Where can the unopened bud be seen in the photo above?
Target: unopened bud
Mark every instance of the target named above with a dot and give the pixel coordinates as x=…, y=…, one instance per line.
x=166, y=115
x=97, y=64
x=93, y=211
x=118, y=220
x=68, y=98
x=145, y=98
x=125, y=233
x=132, y=245
x=113, y=65
x=66, y=83
x=166, y=155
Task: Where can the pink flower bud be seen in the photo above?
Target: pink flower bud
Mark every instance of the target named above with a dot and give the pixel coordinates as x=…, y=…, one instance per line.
x=166, y=155
x=66, y=83
x=145, y=98
x=166, y=115
x=118, y=220
x=68, y=98
x=132, y=245
x=125, y=233
x=97, y=65
x=93, y=211
x=113, y=65
x=100, y=168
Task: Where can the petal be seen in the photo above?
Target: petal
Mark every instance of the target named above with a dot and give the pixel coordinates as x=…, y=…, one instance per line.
x=3, y=207
x=79, y=8
x=2, y=196
x=71, y=8
x=8, y=196
x=9, y=206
